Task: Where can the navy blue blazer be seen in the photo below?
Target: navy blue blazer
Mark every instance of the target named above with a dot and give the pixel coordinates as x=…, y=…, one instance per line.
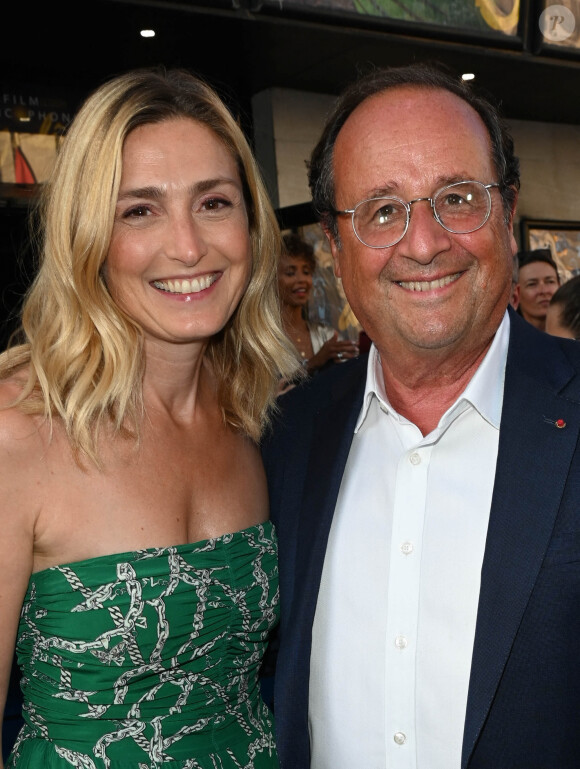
x=523, y=708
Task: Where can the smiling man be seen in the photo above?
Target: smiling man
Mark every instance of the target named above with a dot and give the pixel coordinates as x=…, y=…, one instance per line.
x=422, y=494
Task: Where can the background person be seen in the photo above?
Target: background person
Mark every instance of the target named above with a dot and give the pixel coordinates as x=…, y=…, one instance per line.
x=136, y=547
x=317, y=343
x=538, y=279
x=563, y=316
x=426, y=496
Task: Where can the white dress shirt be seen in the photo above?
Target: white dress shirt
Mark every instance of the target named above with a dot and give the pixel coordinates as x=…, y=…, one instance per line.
x=395, y=619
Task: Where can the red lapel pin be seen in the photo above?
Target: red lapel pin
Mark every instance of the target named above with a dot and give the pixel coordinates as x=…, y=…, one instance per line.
x=560, y=423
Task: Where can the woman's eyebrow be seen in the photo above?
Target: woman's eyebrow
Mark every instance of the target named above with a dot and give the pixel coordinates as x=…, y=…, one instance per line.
x=155, y=192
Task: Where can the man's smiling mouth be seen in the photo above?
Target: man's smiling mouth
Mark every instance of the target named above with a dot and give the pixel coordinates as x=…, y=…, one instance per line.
x=428, y=285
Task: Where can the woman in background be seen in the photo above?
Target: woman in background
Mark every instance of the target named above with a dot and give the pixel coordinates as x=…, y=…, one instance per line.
x=538, y=280
x=317, y=344
x=563, y=316
x=139, y=565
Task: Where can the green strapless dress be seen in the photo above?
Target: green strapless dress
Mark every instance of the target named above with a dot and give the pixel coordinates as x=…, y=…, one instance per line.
x=150, y=659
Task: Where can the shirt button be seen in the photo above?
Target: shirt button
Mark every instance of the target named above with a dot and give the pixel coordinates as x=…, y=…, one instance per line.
x=400, y=738
x=415, y=459
x=407, y=548
x=400, y=642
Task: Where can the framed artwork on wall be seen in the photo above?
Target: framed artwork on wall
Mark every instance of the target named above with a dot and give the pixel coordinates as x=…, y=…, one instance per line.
x=480, y=17
x=557, y=26
x=561, y=237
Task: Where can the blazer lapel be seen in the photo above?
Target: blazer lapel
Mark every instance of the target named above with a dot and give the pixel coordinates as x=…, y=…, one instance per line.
x=333, y=432
x=331, y=440
x=532, y=468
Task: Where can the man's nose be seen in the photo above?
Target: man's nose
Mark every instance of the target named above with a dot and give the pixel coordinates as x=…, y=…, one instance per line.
x=425, y=237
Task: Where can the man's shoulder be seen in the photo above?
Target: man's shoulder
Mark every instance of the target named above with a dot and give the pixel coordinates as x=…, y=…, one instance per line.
x=541, y=356
x=528, y=339
x=329, y=384
x=340, y=388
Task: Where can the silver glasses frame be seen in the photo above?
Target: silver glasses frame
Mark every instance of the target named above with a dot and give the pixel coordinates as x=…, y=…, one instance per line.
x=431, y=202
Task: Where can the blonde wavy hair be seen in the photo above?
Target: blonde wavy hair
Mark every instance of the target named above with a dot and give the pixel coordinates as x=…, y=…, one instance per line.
x=83, y=355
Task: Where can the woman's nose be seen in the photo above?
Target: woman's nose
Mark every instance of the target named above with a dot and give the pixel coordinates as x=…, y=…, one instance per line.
x=186, y=240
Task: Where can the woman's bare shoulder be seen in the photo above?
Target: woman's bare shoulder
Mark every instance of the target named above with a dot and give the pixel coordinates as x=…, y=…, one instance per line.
x=23, y=473
x=20, y=430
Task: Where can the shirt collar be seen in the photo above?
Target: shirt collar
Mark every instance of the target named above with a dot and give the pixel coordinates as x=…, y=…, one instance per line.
x=484, y=391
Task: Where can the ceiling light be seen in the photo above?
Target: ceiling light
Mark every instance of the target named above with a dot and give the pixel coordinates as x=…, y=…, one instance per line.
x=468, y=76
x=147, y=33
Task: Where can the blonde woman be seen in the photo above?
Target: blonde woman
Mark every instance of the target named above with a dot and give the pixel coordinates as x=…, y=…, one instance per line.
x=139, y=564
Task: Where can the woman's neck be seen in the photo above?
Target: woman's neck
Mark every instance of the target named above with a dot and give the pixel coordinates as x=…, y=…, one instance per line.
x=293, y=319
x=296, y=329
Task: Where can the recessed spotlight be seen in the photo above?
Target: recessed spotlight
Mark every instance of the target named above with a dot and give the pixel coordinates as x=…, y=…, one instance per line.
x=147, y=33
x=468, y=76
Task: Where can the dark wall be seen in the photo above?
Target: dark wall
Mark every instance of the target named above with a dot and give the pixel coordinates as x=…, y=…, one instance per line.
x=16, y=267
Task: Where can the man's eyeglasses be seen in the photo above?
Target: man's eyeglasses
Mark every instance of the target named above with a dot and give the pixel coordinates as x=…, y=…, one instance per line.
x=460, y=208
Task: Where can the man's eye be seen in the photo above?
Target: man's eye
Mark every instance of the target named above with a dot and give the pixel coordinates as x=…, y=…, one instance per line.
x=385, y=212
x=454, y=200
x=383, y=215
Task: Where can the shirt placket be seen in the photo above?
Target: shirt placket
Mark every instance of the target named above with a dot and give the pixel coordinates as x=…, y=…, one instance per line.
x=403, y=607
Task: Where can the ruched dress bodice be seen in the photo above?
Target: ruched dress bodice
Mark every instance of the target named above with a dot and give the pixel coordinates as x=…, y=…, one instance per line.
x=150, y=658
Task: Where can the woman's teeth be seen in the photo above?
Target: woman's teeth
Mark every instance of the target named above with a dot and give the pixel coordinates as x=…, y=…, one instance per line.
x=193, y=286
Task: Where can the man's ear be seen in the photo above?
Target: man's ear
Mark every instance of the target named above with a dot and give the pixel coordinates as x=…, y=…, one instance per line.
x=334, y=249
x=510, y=221
x=512, y=213
x=515, y=297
